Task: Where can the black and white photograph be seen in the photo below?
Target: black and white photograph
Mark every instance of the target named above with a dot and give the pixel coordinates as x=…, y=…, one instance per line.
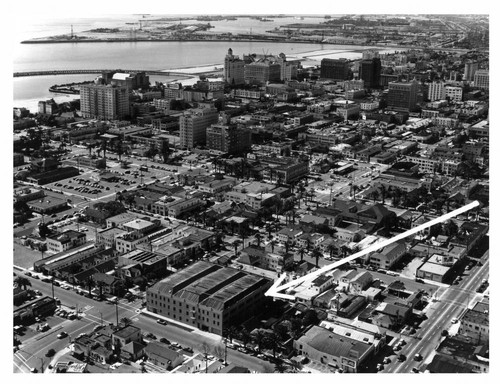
x=279, y=190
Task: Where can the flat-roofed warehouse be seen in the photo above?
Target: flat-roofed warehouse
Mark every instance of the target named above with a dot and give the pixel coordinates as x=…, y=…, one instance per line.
x=208, y=296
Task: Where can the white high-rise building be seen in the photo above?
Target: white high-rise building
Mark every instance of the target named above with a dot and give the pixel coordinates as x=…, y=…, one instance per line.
x=436, y=91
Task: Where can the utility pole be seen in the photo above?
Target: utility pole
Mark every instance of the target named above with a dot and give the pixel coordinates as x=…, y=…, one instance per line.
x=101, y=317
x=52, y=283
x=42, y=362
x=116, y=307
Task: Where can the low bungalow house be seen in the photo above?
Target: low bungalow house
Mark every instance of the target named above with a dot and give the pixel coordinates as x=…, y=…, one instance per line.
x=132, y=351
x=161, y=355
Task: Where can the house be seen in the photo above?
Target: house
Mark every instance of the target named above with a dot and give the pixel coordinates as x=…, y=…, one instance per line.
x=161, y=355
x=132, y=351
x=126, y=335
x=109, y=284
x=360, y=282
x=391, y=316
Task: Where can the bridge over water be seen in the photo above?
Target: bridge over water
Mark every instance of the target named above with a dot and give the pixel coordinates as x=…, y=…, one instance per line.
x=97, y=71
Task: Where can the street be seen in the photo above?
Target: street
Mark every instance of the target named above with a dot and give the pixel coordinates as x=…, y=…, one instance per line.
x=32, y=351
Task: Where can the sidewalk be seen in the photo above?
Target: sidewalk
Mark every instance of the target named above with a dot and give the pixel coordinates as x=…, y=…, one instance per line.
x=186, y=327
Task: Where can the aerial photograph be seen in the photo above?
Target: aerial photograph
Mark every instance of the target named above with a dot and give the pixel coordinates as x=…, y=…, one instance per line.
x=251, y=193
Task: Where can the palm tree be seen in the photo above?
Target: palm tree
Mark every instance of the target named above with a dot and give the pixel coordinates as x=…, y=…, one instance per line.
x=258, y=237
x=272, y=243
x=273, y=341
x=375, y=195
x=100, y=284
x=316, y=253
x=301, y=251
x=383, y=193
x=236, y=244
x=22, y=281
x=331, y=248
x=90, y=284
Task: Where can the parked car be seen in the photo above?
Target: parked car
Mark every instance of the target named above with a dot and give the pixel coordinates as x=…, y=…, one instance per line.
x=161, y=321
x=417, y=357
x=401, y=357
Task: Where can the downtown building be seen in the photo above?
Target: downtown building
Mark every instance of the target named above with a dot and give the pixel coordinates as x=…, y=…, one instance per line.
x=104, y=101
x=234, y=69
x=402, y=96
x=193, y=126
x=208, y=296
x=482, y=79
x=369, y=72
x=229, y=138
x=335, y=69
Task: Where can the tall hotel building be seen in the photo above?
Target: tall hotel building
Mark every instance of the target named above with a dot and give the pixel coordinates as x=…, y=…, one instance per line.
x=193, y=126
x=234, y=69
x=104, y=101
x=335, y=69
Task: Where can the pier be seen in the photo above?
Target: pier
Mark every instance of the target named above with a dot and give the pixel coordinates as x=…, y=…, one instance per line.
x=98, y=71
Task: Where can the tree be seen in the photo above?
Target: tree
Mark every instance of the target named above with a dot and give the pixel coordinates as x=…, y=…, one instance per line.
x=310, y=317
x=331, y=248
x=22, y=281
x=450, y=228
x=125, y=321
x=273, y=341
x=245, y=336
x=301, y=251
x=316, y=253
x=205, y=350
x=90, y=283
x=374, y=195
x=295, y=365
x=231, y=332
x=272, y=243
x=258, y=237
x=236, y=244
x=100, y=284
x=219, y=351
x=165, y=150
x=259, y=337
x=279, y=366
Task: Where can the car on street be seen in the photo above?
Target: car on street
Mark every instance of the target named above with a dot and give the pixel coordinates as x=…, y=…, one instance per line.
x=417, y=357
x=401, y=357
x=62, y=335
x=164, y=341
x=161, y=321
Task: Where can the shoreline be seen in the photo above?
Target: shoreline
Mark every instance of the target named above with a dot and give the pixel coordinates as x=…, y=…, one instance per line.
x=356, y=45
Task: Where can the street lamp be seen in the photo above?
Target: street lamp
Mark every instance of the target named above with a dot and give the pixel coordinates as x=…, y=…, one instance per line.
x=101, y=317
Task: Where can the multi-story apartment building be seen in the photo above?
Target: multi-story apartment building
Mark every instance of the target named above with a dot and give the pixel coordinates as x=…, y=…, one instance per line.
x=482, y=79
x=208, y=296
x=454, y=93
x=228, y=138
x=104, y=101
x=436, y=91
x=193, y=126
x=475, y=323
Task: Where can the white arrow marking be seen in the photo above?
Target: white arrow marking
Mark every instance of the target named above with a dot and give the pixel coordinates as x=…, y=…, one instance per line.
x=275, y=290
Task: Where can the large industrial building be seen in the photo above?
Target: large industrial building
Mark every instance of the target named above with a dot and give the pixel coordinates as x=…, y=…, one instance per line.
x=208, y=296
